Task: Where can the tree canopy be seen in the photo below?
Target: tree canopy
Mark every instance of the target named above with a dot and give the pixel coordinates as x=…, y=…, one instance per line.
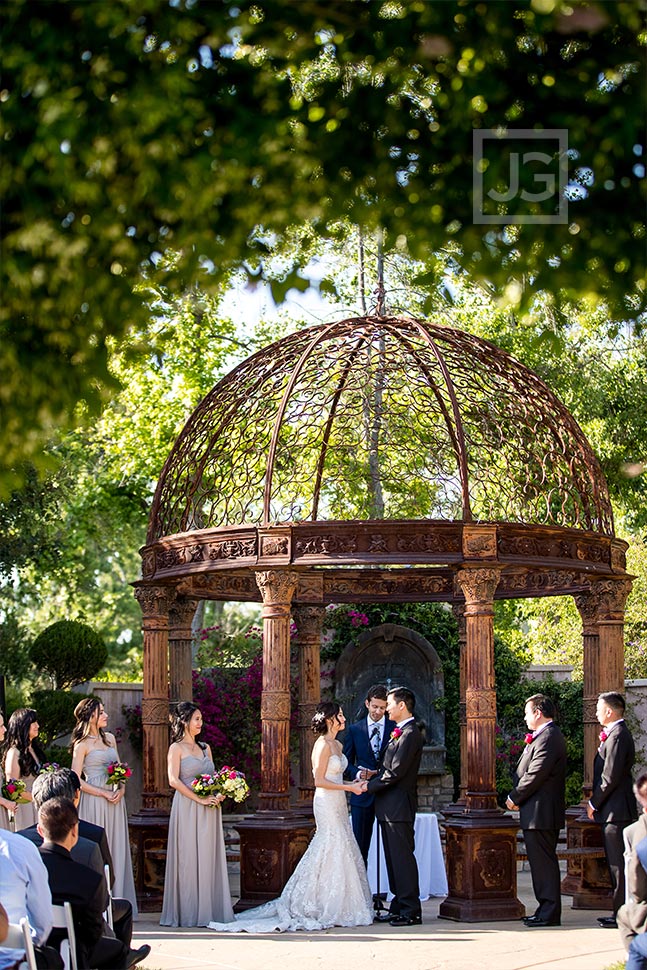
x=138, y=125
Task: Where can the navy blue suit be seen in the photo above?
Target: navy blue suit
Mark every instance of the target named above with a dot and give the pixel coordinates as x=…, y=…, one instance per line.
x=358, y=750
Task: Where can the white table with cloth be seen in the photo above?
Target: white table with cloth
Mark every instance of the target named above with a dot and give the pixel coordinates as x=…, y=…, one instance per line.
x=428, y=853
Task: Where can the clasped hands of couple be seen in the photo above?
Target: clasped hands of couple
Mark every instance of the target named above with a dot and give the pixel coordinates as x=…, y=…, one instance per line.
x=361, y=782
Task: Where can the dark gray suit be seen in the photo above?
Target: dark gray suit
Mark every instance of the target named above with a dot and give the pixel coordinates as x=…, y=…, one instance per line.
x=613, y=800
x=396, y=802
x=540, y=792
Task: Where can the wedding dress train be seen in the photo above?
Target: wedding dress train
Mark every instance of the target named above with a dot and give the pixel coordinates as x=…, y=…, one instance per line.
x=329, y=886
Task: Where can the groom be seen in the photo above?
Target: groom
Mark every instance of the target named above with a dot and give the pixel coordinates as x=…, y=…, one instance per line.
x=395, y=790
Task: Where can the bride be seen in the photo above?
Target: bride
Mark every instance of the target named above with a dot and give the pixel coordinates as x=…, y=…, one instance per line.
x=329, y=885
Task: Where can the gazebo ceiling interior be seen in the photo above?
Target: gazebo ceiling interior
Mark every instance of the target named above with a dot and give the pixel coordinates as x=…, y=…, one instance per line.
x=380, y=418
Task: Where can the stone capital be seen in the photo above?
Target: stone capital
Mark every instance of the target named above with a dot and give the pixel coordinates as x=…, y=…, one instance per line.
x=155, y=601
x=277, y=586
x=604, y=601
x=309, y=623
x=181, y=613
x=478, y=586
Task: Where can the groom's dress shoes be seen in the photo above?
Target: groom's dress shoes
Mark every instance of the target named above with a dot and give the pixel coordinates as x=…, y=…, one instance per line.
x=382, y=917
x=537, y=921
x=405, y=920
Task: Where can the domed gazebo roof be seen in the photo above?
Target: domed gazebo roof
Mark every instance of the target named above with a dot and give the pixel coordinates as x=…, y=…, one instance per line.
x=380, y=418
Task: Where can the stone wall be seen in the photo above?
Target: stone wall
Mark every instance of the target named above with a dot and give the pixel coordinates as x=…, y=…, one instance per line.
x=435, y=792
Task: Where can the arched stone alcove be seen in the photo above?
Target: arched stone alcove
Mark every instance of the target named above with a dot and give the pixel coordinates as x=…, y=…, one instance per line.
x=394, y=655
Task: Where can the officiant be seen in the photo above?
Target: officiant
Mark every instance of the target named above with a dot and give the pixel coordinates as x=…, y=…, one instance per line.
x=364, y=744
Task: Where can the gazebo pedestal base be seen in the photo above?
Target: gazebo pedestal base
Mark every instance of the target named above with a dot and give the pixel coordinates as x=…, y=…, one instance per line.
x=271, y=845
x=587, y=877
x=481, y=868
x=148, y=831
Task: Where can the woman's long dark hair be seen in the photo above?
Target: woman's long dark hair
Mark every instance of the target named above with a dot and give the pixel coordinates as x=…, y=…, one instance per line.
x=180, y=719
x=84, y=712
x=18, y=737
x=326, y=711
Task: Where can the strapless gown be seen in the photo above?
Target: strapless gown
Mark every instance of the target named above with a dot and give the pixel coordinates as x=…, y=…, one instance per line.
x=329, y=886
x=113, y=818
x=196, y=884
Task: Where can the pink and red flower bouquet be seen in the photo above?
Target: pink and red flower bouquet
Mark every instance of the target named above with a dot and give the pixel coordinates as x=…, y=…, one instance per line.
x=232, y=784
x=13, y=790
x=118, y=772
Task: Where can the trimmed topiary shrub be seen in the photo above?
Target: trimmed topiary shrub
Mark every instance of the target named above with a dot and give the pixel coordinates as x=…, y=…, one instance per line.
x=70, y=652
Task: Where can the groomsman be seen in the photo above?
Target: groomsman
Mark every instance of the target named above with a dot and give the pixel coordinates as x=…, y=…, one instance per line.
x=395, y=790
x=364, y=744
x=539, y=794
x=632, y=915
x=612, y=802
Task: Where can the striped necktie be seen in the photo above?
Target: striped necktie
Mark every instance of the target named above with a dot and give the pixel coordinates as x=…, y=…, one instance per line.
x=375, y=742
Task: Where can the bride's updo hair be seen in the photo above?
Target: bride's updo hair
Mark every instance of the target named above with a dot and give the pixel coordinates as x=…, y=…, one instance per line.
x=325, y=712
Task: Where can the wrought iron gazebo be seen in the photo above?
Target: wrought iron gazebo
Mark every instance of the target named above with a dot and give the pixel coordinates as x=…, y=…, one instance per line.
x=373, y=459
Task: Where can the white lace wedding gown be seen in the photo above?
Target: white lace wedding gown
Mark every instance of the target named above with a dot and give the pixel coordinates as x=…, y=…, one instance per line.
x=329, y=886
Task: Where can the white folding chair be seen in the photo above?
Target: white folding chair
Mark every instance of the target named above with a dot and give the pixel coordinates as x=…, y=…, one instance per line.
x=62, y=920
x=19, y=938
x=108, y=911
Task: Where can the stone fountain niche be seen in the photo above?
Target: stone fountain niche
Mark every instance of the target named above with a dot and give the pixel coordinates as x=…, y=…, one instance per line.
x=397, y=657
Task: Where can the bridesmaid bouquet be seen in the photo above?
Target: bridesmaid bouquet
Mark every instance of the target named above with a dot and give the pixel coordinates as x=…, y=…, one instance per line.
x=118, y=772
x=231, y=783
x=13, y=790
x=204, y=785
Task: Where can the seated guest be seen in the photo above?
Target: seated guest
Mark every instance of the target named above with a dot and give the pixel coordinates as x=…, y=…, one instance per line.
x=25, y=894
x=91, y=850
x=86, y=890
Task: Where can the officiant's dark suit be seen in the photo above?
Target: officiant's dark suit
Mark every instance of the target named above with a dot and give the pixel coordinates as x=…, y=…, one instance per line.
x=396, y=802
x=612, y=802
x=359, y=752
x=540, y=794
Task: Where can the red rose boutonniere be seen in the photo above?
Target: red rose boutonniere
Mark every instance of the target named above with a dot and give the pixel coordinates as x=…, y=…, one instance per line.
x=395, y=734
x=529, y=739
x=603, y=736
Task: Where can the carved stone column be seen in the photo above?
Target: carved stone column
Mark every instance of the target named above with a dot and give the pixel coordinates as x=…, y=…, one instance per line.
x=481, y=843
x=149, y=827
x=277, y=587
x=181, y=615
x=309, y=623
x=602, y=610
x=459, y=805
x=273, y=841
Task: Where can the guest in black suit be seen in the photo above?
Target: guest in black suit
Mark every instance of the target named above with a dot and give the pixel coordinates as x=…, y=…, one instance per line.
x=395, y=790
x=539, y=794
x=612, y=802
x=364, y=745
x=79, y=885
x=91, y=848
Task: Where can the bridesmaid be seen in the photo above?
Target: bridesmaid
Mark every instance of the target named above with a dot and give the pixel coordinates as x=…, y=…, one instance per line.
x=6, y=806
x=22, y=759
x=196, y=885
x=93, y=749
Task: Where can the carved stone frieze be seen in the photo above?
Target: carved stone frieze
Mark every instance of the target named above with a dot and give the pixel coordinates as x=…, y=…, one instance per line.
x=480, y=702
x=535, y=581
x=377, y=543
x=434, y=542
x=310, y=587
x=275, y=545
x=277, y=586
x=618, y=556
x=167, y=558
x=226, y=586
x=589, y=706
x=232, y=549
x=479, y=542
x=275, y=705
x=478, y=585
x=148, y=563
x=326, y=545
x=306, y=714
x=155, y=601
x=195, y=553
x=155, y=710
x=405, y=584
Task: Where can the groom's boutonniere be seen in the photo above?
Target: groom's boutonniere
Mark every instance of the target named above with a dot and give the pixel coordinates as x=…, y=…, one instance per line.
x=529, y=738
x=395, y=734
x=603, y=736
